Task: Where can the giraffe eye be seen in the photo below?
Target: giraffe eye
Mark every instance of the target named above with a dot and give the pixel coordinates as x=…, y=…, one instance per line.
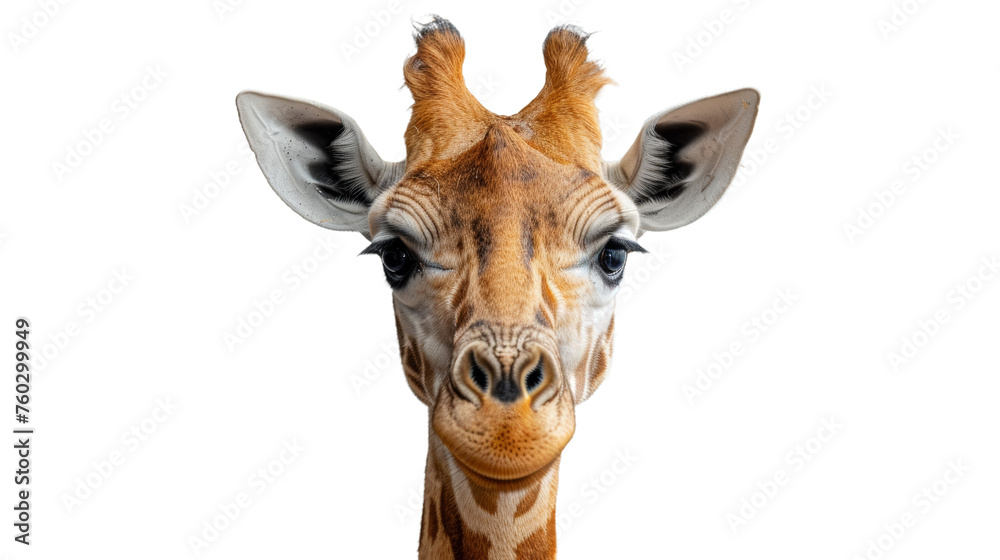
x=397, y=261
x=398, y=264
x=613, y=259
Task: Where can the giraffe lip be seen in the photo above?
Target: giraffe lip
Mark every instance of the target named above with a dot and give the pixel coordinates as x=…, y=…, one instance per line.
x=510, y=482
x=500, y=442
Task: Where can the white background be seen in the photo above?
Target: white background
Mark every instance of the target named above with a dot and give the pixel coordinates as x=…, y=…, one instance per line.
x=198, y=258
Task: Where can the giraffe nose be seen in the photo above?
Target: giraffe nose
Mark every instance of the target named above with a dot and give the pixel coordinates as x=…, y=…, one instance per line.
x=482, y=374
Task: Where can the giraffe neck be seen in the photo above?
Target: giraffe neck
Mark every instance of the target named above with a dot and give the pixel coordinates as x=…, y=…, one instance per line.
x=467, y=516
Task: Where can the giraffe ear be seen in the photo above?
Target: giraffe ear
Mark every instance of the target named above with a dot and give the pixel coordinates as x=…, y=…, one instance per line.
x=684, y=158
x=316, y=159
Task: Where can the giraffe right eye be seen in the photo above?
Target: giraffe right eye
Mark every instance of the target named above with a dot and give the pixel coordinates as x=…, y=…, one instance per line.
x=397, y=261
x=398, y=264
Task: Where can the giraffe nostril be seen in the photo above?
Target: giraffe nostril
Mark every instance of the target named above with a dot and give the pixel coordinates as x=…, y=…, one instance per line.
x=478, y=375
x=535, y=377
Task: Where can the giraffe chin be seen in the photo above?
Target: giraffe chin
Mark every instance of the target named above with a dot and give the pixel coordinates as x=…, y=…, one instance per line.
x=503, y=442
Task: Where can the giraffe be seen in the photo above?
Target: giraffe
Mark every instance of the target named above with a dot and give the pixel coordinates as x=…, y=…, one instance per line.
x=503, y=239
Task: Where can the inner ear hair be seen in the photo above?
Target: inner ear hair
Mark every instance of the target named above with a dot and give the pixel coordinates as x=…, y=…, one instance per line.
x=684, y=158
x=316, y=159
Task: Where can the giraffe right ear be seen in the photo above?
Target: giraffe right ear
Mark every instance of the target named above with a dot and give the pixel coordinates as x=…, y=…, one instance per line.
x=316, y=159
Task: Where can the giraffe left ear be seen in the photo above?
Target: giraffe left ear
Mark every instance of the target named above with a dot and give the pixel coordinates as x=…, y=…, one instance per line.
x=316, y=159
x=684, y=158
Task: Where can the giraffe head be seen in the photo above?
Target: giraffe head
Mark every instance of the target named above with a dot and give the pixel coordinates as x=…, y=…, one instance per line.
x=503, y=238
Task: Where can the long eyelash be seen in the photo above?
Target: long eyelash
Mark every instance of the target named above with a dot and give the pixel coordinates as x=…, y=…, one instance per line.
x=627, y=244
x=377, y=247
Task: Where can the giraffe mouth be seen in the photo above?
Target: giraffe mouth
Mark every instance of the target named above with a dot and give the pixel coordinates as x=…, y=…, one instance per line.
x=504, y=442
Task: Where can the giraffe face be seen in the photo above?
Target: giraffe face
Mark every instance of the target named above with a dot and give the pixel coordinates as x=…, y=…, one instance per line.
x=504, y=264
x=503, y=238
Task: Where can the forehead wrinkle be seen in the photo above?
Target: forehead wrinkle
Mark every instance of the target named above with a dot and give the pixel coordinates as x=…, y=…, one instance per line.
x=398, y=221
x=599, y=231
x=579, y=206
x=626, y=215
x=592, y=182
x=590, y=215
x=419, y=213
x=596, y=221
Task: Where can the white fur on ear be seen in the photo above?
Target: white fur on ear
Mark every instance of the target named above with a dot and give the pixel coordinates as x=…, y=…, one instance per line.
x=684, y=158
x=316, y=159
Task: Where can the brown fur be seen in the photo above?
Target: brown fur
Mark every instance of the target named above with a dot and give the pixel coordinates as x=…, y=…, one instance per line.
x=560, y=122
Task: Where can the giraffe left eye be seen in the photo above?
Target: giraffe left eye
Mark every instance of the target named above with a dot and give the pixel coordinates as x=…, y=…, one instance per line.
x=612, y=258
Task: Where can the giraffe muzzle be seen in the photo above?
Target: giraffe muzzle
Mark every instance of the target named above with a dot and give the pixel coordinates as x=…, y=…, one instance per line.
x=507, y=411
x=507, y=374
